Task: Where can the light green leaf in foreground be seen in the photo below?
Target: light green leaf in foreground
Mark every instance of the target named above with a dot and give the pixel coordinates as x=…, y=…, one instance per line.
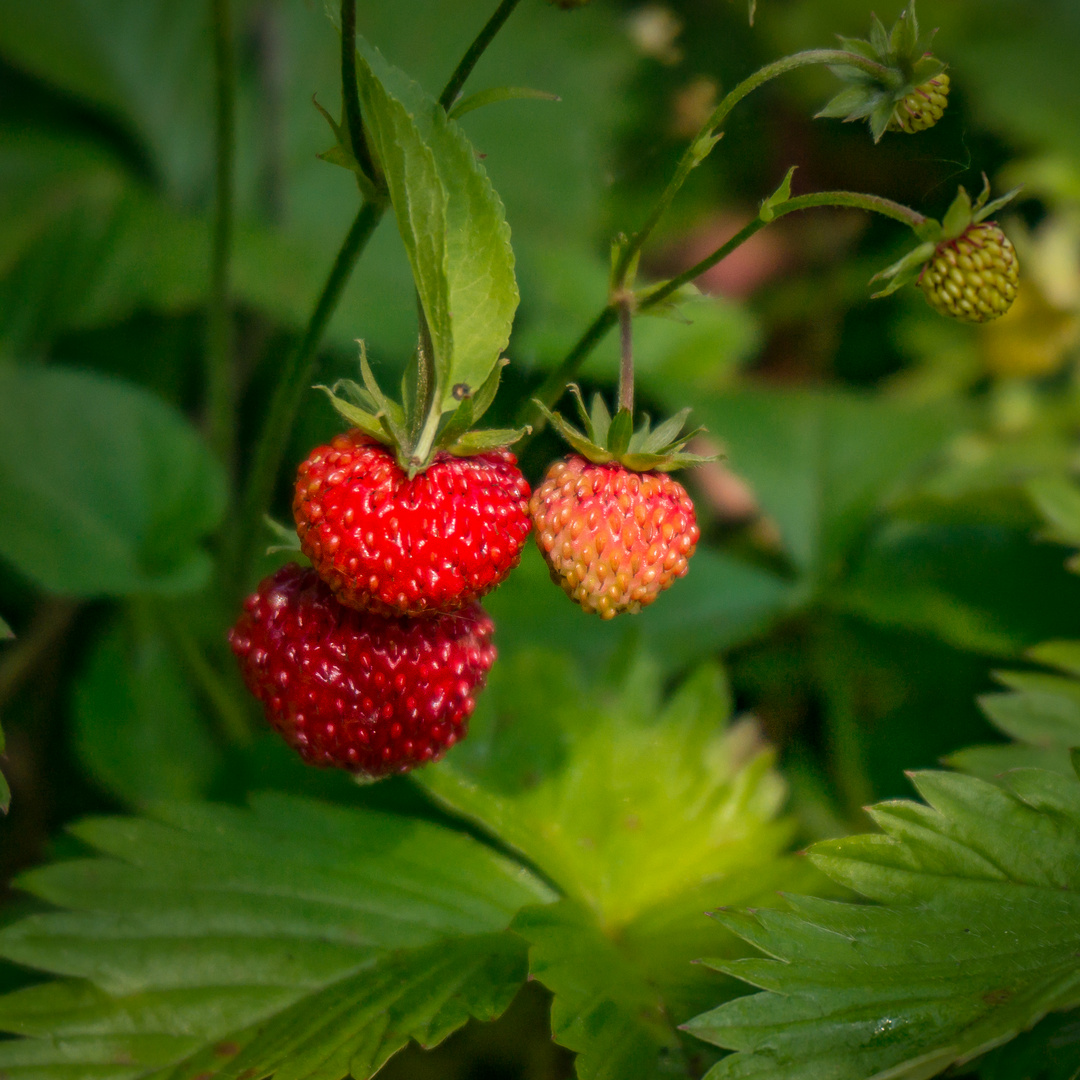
x=292, y=939
x=646, y=813
x=976, y=938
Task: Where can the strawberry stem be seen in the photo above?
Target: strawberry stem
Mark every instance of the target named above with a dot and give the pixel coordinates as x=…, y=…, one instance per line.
x=474, y=52
x=626, y=361
x=220, y=374
x=702, y=143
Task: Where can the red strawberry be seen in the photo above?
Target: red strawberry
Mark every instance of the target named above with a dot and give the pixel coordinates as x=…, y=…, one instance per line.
x=356, y=690
x=613, y=538
x=399, y=546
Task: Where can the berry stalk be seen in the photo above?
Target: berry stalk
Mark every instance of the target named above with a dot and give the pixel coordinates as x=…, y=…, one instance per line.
x=220, y=373
x=706, y=138
x=474, y=52
x=554, y=386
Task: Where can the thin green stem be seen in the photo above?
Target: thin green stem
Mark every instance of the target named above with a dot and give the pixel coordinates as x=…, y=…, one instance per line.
x=555, y=384
x=852, y=199
x=704, y=141
x=349, y=93
x=292, y=383
x=231, y=714
x=220, y=372
x=626, y=354
x=474, y=52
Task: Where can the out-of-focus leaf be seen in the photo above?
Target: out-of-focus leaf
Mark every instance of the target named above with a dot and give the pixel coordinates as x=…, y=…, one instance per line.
x=976, y=939
x=138, y=730
x=114, y=489
x=822, y=465
x=980, y=587
x=1050, y=1051
x=721, y=603
x=292, y=939
x=5, y=630
x=1040, y=711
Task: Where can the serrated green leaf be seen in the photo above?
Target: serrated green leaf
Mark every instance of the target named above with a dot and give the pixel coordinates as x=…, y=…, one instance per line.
x=138, y=729
x=498, y=94
x=645, y=812
x=453, y=224
x=975, y=941
x=290, y=938
x=604, y=1009
x=127, y=518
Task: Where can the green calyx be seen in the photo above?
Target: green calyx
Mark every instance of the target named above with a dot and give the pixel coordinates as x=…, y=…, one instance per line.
x=961, y=215
x=906, y=64
x=604, y=438
x=416, y=429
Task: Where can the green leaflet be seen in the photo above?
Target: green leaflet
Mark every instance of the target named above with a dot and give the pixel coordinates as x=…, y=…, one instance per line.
x=291, y=938
x=127, y=518
x=451, y=221
x=646, y=813
x=138, y=730
x=976, y=939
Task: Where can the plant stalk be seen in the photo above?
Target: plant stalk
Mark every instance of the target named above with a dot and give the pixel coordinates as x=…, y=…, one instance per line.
x=292, y=383
x=702, y=143
x=626, y=354
x=349, y=92
x=474, y=52
x=220, y=372
x=554, y=385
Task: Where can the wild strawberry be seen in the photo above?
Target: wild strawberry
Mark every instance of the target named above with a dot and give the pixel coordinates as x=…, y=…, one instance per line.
x=393, y=544
x=613, y=538
x=355, y=690
x=902, y=88
x=966, y=266
x=923, y=107
x=613, y=527
x=973, y=277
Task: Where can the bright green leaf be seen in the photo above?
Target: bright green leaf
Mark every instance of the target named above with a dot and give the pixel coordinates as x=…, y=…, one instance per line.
x=115, y=490
x=138, y=730
x=646, y=812
x=976, y=938
x=452, y=222
x=291, y=938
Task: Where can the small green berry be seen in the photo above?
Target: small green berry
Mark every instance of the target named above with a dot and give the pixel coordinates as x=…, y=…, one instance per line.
x=923, y=107
x=974, y=277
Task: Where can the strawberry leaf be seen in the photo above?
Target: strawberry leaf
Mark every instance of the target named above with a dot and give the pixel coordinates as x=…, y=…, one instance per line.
x=291, y=938
x=976, y=938
x=138, y=729
x=684, y=818
x=127, y=518
x=451, y=221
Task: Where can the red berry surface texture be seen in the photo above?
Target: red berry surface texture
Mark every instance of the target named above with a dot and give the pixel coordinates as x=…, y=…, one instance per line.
x=352, y=689
x=399, y=546
x=613, y=538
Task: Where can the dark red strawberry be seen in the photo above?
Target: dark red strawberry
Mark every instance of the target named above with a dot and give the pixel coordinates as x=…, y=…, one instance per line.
x=356, y=690
x=395, y=545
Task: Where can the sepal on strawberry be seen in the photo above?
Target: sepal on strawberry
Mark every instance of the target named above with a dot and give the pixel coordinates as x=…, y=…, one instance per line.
x=965, y=265
x=416, y=438
x=605, y=438
x=909, y=84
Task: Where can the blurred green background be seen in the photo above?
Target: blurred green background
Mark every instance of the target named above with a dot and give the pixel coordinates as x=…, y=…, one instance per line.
x=871, y=550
